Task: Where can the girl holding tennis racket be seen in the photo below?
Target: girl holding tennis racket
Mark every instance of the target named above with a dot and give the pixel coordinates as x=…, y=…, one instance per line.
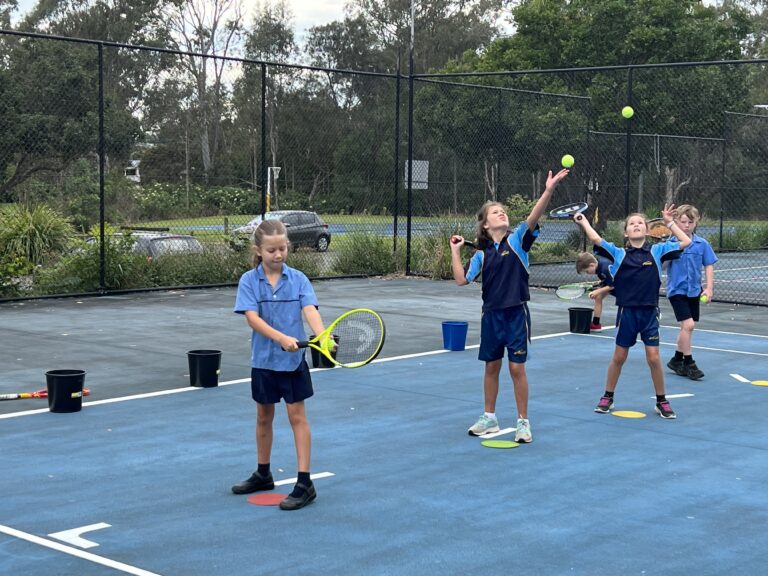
x=274, y=297
x=636, y=271
x=502, y=258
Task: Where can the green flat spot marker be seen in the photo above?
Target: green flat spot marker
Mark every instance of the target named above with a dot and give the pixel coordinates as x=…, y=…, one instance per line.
x=628, y=414
x=499, y=444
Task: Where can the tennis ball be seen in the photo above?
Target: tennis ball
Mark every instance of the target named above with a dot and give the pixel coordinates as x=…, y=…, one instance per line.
x=567, y=161
x=627, y=112
x=703, y=298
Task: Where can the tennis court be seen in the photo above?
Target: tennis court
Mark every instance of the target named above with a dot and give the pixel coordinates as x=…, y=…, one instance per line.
x=138, y=482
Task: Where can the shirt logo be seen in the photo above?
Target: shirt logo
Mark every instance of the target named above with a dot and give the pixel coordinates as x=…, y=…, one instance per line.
x=647, y=263
x=505, y=253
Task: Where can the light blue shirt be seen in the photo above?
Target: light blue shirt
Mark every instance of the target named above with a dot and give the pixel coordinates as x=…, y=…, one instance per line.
x=280, y=307
x=684, y=274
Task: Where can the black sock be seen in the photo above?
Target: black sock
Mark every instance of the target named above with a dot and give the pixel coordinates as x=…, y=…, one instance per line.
x=596, y=320
x=302, y=479
x=678, y=355
x=263, y=470
x=688, y=359
x=609, y=394
x=661, y=398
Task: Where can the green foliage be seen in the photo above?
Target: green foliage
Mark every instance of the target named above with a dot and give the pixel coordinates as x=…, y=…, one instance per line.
x=309, y=262
x=518, y=208
x=753, y=236
x=33, y=233
x=210, y=267
x=433, y=252
x=365, y=254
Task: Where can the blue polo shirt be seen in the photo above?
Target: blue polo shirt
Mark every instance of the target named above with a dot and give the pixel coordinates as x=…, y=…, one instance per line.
x=637, y=271
x=504, y=266
x=684, y=274
x=280, y=308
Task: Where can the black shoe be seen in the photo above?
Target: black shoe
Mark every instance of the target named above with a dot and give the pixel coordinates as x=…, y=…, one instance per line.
x=676, y=366
x=692, y=371
x=308, y=494
x=255, y=483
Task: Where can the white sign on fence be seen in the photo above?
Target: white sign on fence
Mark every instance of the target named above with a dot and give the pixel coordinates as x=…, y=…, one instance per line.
x=420, y=176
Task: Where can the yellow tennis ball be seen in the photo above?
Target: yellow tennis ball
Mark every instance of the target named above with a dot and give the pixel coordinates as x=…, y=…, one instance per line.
x=567, y=161
x=703, y=298
x=627, y=112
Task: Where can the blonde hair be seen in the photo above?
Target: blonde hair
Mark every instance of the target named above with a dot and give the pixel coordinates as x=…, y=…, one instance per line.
x=483, y=239
x=584, y=261
x=266, y=228
x=688, y=210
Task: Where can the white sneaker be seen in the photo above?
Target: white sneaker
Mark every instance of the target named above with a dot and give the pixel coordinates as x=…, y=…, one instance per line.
x=484, y=425
x=523, y=432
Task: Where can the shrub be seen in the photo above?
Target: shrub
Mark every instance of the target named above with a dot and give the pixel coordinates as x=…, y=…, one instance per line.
x=518, y=208
x=365, y=254
x=33, y=233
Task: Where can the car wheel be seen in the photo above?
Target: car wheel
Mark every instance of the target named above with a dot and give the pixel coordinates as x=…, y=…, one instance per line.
x=322, y=244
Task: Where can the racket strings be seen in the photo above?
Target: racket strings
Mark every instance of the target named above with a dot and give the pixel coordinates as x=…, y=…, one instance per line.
x=358, y=337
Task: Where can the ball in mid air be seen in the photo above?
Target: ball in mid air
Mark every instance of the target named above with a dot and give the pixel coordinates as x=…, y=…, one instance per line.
x=627, y=112
x=567, y=161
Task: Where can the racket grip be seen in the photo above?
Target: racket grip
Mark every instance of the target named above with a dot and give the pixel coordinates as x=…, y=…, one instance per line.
x=303, y=344
x=469, y=244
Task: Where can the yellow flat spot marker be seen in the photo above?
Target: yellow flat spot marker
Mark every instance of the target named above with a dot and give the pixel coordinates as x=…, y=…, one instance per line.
x=760, y=383
x=628, y=414
x=499, y=444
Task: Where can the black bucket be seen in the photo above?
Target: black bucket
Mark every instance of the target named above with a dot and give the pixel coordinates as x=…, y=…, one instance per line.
x=204, y=368
x=581, y=320
x=65, y=390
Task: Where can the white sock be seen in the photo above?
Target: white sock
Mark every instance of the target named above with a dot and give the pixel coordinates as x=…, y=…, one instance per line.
x=491, y=415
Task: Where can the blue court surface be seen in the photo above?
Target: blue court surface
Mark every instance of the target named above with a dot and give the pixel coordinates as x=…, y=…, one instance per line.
x=142, y=485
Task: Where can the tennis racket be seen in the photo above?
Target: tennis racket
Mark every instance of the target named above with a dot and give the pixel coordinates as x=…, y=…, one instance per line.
x=658, y=230
x=568, y=210
x=573, y=291
x=353, y=340
x=36, y=394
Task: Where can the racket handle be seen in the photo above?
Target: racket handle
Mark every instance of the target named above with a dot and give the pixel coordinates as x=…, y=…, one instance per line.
x=469, y=244
x=303, y=344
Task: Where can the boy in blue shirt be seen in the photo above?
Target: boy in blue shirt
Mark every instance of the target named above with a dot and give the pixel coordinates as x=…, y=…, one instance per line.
x=273, y=297
x=684, y=289
x=502, y=258
x=636, y=272
x=598, y=265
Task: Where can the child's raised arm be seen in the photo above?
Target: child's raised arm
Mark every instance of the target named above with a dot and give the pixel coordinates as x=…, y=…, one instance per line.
x=541, y=204
x=593, y=236
x=668, y=214
x=456, y=242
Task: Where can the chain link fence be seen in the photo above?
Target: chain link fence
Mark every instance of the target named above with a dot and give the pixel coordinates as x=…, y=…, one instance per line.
x=129, y=168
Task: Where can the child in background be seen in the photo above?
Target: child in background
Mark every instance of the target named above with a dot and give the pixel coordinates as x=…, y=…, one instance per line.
x=273, y=297
x=502, y=258
x=636, y=272
x=684, y=289
x=587, y=263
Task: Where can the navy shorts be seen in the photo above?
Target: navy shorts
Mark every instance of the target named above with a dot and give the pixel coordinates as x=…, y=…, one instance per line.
x=634, y=320
x=685, y=307
x=269, y=386
x=509, y=328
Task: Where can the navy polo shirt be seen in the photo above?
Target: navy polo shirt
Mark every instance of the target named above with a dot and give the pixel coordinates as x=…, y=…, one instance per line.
x=603, y=270
x=280, y=307
x=504, y=266
x=637, y=271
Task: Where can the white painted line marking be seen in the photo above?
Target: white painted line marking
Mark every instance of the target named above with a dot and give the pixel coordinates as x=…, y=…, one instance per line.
x=695, y=347
x=128, y=569
x=741, y=378
x=312, y=476
x=73, y=536
x=676, y=396
x=499, y=433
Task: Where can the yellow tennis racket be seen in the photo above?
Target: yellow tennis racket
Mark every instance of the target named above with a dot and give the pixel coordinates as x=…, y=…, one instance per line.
x=353, y=340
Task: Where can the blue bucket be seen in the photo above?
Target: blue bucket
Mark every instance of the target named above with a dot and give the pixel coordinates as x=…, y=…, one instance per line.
x=455, y=335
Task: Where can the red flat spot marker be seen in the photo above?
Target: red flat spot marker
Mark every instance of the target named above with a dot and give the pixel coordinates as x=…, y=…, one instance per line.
x=267, y=499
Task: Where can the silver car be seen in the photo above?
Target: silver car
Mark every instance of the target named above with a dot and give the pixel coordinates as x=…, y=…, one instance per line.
x=304, y=228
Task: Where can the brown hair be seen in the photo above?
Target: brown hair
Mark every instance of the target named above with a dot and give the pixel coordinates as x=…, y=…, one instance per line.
x=643, y=216
x=266, y=228
x=584, y=261
x=483, y=239
x=688, y=210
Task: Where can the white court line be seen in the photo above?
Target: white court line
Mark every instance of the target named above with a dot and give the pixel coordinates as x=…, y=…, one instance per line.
x=676, y=396
x=74, y=535
x=128, y=569
x=697, y=347
x=741, y=378
x=311, y=476
x=719, y=332
x=499, y=433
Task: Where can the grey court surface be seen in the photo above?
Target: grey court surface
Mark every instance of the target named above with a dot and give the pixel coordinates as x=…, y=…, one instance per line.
x=141, y=486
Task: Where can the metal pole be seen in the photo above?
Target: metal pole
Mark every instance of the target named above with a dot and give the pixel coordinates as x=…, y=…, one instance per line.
x=397, y=154
x=410, y=148
x=102, y=168
x=628, y=156
x=726, y=135
x=263, y=139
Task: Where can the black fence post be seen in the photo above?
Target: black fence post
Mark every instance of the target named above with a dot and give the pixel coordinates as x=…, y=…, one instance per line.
x=397, y=156
x=102, y=166
x=263, y=175
x=628, y=156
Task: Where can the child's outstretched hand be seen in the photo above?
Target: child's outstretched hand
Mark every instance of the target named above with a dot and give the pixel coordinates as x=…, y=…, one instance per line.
x=668, y=214
x=553, y=181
